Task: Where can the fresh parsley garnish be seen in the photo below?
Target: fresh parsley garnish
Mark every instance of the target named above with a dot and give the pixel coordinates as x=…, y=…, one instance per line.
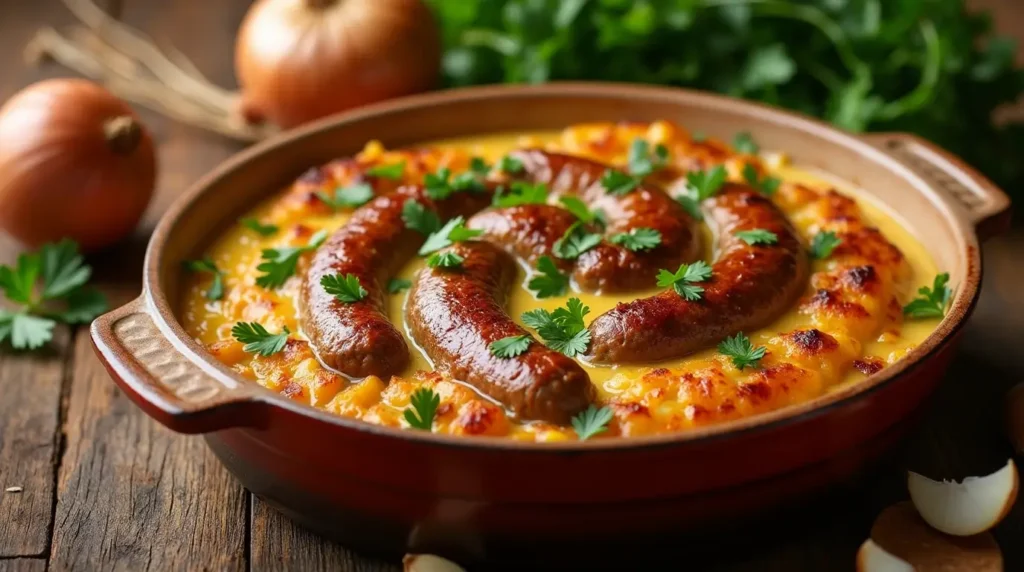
x=510, y=165
x=550, y=282
x=396, y=285
x=562, y=330
x=423, y=406
x=419, y=217
x=258, y=227
x=823, y=244
x=642, y=162
x=579, y=209
x=638, y=239
x=591, y=421
x=575, y=242
x=618, y=183
x=766, y=185
x=511, y=346
x=355, y=195
x=279, y=263
x=744, y=143
x=741, y=351
x=931, y=302
x=258, y=340
x=479, y=166
x=345, y=288
x=453, y=231
x=393, y=171
x=701, y=185
x=49, y=287
x=216, y=290
x=757, y=236
x=521, y=193
x=445, y=260
x=684, y=280
x=441, y=185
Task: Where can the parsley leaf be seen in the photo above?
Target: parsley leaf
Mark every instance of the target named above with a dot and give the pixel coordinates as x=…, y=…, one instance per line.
x=575, y=242
x=521, y=193
x=562, y=330
x=258, y=227
x=423, y=406
x=479, y=166
x=592, y=421
x=25, y=331
x=441, y=185
x=352, y=196
x=931, y=302
x=823, y=244
x=419, y=217
x=683, y=279
x=453, y=231
x=345, y=288
x=741, y=351
x=396, y=285
x=511, y=346
x=63, y=269
x=581, y=211
x=279, y=263
x=511, y=165
x=744, y=143
x=638, y=239
x=551, y=282
x=618, y=183
x=258, y=340
x=766, y=186
x=393, y=171
x=757, y=236
x=216, y=290
x=642, y=162
x=701, y=185
x=445, y=260
x=18, y=283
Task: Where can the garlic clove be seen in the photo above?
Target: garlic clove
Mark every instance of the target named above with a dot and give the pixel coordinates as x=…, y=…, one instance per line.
x=901, y=532
x=873, y=558
x=429, y=563
x=966, y=508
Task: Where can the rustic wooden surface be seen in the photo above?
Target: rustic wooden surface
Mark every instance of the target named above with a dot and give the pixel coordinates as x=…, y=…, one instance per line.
x=106, y=488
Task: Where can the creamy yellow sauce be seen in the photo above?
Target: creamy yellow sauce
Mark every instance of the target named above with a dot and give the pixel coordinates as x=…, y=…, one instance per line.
x=237, y=252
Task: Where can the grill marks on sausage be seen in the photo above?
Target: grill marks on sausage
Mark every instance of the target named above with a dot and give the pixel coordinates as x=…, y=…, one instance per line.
x=750, y=287
x=456, y=314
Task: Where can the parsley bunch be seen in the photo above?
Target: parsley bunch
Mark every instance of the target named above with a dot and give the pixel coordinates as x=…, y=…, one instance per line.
x=562, y=330
x=48, y=286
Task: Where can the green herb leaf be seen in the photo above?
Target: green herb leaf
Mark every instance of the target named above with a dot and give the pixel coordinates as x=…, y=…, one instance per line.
x=352, y=196
x=216, y=290
x=396, y=285
x=592, y=421
x=684, y=280
x=550, y=282
x=258, y=227
x=638, y=239
x=445, y=260
x=479, y=166
x=345, y=288
x=642, y=162
x=511, y=346
x=766, y=186
x=757, y=236
x=521, y=193
x=63, y=269
x=931, y=302
x=510, y=165
x=279, y=263
x=25, y=331
x=741, y=351
x=437, y=184
x=618, y=183
x=19, y=282
x=453, y=231
x=562, y=330
x=744, y=143
x=423, y=406
x=823, y=244
x=258, y=340
x=575, y=242
x=579, y=209
x=393, y=171
x=419, y=217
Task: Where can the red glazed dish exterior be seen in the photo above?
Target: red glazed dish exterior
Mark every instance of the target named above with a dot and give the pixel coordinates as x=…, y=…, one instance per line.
x=393, y=491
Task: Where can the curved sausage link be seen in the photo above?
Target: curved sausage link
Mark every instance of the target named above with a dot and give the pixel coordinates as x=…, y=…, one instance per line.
x=456, y=314
x=750, y=287
x=357, y=339
x=607, y=267
x=528, y=231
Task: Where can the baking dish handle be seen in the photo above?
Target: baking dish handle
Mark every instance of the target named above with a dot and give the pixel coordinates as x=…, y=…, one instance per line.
x=987, y=207
x=162, y=381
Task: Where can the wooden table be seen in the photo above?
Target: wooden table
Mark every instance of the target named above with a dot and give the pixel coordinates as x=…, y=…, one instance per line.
x=107, y=488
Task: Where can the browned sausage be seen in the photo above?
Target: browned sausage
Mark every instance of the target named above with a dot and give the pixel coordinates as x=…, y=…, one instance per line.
x=357, y=339
x=607, y=267
x=750, y=286
x=455, y=314
x=528, y=231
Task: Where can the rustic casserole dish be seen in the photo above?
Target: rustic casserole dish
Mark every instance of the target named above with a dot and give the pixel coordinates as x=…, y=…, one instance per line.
x=384, y=486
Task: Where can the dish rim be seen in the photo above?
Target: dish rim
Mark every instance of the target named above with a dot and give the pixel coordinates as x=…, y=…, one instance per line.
x=965, y=296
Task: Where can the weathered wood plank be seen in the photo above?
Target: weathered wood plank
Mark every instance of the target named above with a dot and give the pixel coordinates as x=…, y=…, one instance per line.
x=23, y=565
x=279, y=544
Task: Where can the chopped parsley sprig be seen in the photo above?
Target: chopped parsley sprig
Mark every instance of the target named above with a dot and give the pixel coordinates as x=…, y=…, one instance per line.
x=823, y=244
x=422, y=408
x=931, y=302
x=766, y=185
x=345, y=288
x=592, y=421
x=757, y=236
x=206, y=265
x=742, y=353
x=393, y=171
x=638, y=239
x=511, y=346
x=701, y=185
x=563, y=329
x=511, y=165
x=453, y=231
x=575, y=242
x=351, y=196
x=441, y=185
x=419, y=218
x=449, y=260
x=641, y=162
x=521, y=193
x=744, y=143
x=580, y=210
x=258, y=340
x=684, y=280
x=279, y=263
x=550, y=281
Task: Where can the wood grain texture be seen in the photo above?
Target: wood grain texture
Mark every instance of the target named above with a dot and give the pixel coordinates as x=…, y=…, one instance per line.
x=23, y=565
